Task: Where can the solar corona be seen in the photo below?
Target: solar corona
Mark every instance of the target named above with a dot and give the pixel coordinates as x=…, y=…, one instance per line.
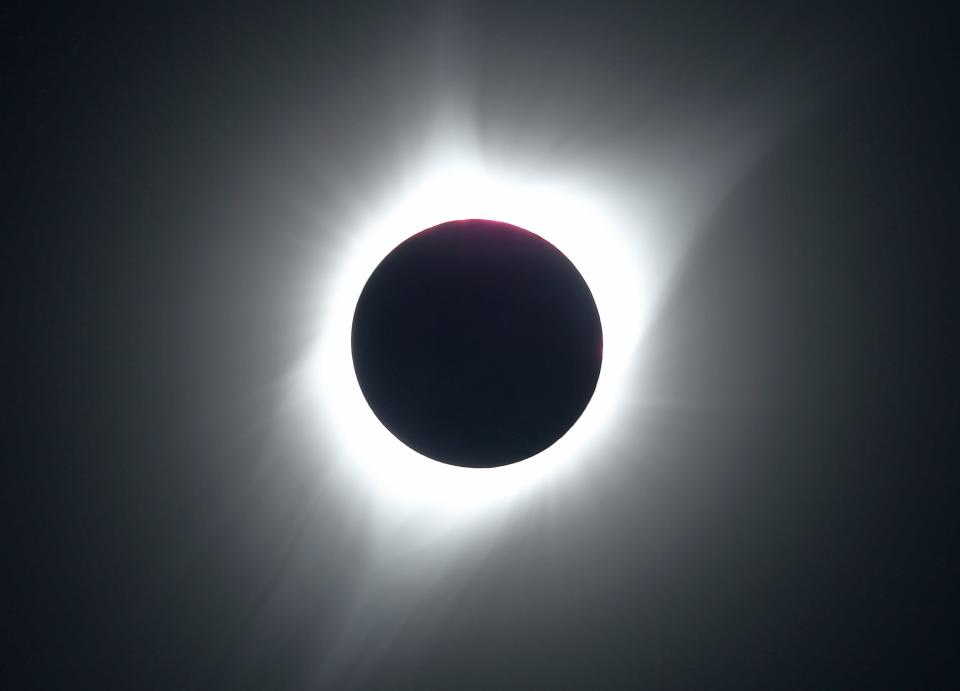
x=372, y=395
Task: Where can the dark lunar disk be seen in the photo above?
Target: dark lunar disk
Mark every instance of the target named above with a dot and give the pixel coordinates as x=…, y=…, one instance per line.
x=477, y=343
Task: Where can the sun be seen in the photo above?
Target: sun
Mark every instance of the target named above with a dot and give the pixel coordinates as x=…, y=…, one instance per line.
x=579, y=221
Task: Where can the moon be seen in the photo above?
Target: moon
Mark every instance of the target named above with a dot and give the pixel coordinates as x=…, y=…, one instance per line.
x=477, y=343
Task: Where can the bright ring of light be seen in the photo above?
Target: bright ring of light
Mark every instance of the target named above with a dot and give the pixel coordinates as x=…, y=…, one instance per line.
x=602, y=246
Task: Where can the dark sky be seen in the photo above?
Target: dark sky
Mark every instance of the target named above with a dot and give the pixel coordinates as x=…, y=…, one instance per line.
x=776, y=509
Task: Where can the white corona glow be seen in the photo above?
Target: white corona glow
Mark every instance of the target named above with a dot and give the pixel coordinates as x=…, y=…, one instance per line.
x=576, y=219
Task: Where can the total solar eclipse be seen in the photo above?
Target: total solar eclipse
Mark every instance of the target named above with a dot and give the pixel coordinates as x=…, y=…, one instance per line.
x=477, y=343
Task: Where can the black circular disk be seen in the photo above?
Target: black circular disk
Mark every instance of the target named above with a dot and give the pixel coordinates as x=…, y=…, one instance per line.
x=477, y=343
